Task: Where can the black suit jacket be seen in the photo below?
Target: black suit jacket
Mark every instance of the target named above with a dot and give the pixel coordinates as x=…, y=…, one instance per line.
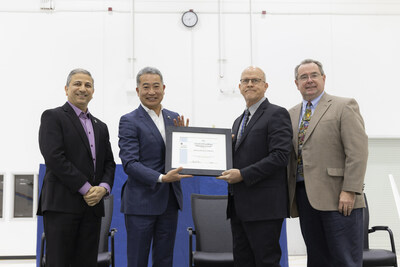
x=262, y=156
x=65, y=148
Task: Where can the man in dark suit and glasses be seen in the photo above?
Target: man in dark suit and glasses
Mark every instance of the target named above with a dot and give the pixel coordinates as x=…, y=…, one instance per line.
x=258, y=197
x=79, y=173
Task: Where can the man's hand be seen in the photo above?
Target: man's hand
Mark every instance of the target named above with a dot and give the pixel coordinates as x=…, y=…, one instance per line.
x=94, y=195
x=231, y=176
x=180, y=121
x=346, y=202
x=173, y=176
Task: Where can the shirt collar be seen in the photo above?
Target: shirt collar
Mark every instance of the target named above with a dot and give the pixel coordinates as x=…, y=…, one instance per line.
x=78, y=111
x=314, y=102
x=149, y=110
x=253, y=108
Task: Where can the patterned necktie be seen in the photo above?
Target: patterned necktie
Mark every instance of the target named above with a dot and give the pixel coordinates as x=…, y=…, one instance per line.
x=302, y=133
x=244, y=124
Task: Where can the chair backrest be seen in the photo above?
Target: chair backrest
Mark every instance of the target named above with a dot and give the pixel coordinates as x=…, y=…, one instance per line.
x=366, y=223
x=106, y=223
x=213, y=230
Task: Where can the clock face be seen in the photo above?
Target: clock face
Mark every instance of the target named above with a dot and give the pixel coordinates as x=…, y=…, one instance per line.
x=189, y=19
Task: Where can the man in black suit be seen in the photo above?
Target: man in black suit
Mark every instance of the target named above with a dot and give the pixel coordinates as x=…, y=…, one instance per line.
x=79, y=173
x=257, y=190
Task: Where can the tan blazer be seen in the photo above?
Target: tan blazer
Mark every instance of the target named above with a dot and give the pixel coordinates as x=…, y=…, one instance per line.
x=335, y=153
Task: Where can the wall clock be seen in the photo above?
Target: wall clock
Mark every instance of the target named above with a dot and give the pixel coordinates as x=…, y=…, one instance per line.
x=189, y=18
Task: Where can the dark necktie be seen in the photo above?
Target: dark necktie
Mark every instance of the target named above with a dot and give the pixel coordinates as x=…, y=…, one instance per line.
x=302, y=133
x=245, y=120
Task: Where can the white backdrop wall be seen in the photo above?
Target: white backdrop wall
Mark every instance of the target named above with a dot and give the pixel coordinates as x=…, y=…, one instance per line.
x=357, y=41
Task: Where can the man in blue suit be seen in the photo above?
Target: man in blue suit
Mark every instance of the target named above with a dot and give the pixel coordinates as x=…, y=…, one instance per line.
x=150, y=198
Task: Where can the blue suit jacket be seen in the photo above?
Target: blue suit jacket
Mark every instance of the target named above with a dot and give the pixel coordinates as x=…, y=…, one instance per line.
x=142, y=151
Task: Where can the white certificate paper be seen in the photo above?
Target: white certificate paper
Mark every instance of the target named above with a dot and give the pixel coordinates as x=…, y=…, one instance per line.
x=200, y=151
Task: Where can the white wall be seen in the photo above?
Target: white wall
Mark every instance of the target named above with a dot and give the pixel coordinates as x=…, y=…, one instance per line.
x=357, y=41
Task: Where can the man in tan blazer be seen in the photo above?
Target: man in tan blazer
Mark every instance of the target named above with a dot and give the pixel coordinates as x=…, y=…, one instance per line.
x=326, y=171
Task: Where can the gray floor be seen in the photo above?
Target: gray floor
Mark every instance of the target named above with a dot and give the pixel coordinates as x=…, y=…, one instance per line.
x=294, y=261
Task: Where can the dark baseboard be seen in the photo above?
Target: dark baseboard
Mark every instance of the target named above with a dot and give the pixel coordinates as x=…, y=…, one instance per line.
x=27, y=257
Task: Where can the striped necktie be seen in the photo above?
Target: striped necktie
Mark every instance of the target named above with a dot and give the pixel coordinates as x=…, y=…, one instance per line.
x=245, y=120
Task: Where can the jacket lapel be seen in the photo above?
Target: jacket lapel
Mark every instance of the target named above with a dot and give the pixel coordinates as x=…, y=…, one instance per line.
x=253, y=120
x=96, y=131
x=295, y=117
x=168, y=120
x=149, y=123
x=319, y=112
x=77, y=124
x=235, y=130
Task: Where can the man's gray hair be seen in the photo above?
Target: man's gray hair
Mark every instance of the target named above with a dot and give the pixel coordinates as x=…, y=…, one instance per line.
x=76, y=71
x=308, y=61
x=148, y=70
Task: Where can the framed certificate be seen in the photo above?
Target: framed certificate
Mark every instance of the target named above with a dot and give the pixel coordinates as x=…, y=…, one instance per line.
x=200, y=151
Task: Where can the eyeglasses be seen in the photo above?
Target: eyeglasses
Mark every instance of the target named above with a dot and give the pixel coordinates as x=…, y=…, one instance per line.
x=312, y=76
x=253, y=81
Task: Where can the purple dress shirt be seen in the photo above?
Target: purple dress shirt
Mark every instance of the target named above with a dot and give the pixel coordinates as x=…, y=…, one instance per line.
x=87, y=125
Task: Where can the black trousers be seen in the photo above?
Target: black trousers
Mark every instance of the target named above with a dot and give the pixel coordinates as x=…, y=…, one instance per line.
x=255, y=243
x=72, y=240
